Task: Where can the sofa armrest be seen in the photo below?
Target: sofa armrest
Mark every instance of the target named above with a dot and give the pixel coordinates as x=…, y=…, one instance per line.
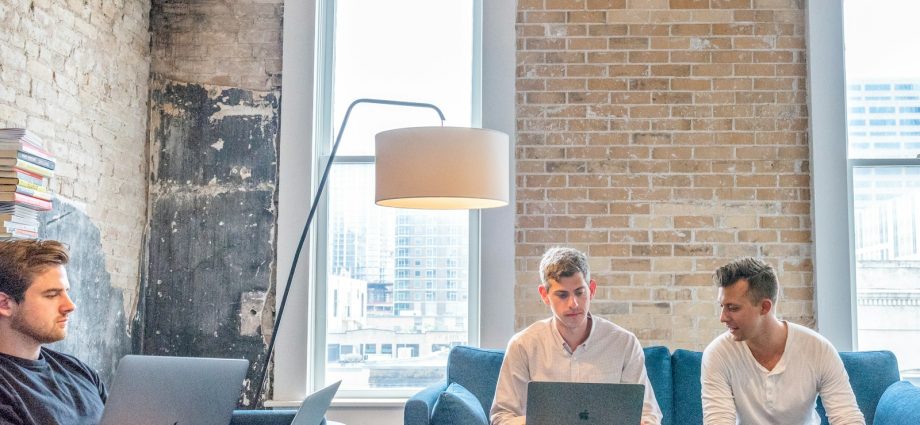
x=419, y=406
x=900, y=404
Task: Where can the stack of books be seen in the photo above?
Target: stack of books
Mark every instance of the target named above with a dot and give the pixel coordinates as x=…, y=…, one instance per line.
x=25, y=174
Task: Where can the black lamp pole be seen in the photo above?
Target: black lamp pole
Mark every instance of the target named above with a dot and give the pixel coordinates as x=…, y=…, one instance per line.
x=306, y=228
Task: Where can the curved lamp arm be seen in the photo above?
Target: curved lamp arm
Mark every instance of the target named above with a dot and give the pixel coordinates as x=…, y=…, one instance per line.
x=306, y=227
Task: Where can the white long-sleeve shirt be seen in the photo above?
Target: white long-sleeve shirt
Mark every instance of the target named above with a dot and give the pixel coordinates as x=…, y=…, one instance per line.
x=737, y=389
x=611, y=354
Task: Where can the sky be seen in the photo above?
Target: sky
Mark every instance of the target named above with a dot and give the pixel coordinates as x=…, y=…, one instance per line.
x=881, y=39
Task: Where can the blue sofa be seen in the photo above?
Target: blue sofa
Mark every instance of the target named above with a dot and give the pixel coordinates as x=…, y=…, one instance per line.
x=675, y=378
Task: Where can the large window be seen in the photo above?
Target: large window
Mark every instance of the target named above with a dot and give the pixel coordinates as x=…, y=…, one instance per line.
x=883, y=124
x=395, y=279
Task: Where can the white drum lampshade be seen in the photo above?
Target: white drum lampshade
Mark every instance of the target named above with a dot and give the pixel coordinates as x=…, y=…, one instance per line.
x=442, y=168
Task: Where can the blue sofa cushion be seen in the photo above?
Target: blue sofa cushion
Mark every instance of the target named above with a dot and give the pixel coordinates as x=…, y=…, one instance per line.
x=870, y=373
x=688, y=404
x=899, y=405
x=658, y=367
x=476, y=369
x=262, y=417
x=458, y=406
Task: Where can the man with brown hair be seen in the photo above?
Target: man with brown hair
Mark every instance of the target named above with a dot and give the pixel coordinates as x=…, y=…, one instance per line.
x=764, y=370
x=38, y=385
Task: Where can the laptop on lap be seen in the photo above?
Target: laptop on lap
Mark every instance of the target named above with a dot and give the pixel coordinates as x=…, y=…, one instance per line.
x=153, y=390
x=578, y=403
x=313, y=409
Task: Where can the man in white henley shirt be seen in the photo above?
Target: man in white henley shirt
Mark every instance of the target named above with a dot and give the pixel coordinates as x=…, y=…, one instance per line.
x=571, y=346
x=767, y=371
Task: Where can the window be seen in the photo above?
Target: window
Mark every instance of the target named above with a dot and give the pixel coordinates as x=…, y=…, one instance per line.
x=379, y=53
x=885, y=176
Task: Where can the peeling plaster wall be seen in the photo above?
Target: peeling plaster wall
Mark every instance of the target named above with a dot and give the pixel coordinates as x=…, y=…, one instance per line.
x=212, y=220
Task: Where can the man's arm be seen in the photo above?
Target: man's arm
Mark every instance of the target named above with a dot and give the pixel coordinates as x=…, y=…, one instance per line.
x=834, y=388
x=718, y=400
x=508, y=406
x=634, y=373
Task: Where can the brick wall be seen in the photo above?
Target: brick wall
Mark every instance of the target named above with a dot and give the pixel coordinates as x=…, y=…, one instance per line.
x=664, y=138
x=75, y=73
x=218, y=42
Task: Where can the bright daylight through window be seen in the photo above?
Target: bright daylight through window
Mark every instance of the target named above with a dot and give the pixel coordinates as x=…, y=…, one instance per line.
x=396, y=283
x=883, y=115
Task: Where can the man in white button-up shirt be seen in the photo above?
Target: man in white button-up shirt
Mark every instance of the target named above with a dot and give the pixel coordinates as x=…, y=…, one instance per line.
x=571, y=346
x=767, y=371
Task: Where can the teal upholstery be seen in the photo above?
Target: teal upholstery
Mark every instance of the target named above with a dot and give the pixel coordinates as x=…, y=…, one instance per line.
x=458, y=406
x=676, y=380
x=688, y=403
x=899, y=405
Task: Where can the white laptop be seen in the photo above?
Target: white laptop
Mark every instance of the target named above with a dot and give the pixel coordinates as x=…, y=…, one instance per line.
x=313, y=409
x=154, y=390
x=555, y=403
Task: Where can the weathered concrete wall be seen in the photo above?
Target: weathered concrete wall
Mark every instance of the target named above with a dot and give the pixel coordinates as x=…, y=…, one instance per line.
x=212, y=220
x=76, y=73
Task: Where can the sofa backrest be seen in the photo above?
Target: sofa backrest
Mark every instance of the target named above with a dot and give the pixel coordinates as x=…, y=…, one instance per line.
x=870, y=372
x=658, y=367
x=476, y=369
x=685, y=372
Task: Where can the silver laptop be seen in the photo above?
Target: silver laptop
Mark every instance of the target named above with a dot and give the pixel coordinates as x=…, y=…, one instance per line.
x=576, y=403
x=153, y=390
x=315, y=405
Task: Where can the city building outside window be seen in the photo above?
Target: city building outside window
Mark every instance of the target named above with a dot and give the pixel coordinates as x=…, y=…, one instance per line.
x=410, y=50
x=885, y=172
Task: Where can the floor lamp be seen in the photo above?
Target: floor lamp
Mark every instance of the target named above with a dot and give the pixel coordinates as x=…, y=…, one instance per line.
x=421, y=168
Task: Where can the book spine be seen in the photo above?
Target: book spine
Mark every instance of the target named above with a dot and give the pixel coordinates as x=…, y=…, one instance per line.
x=12, y=225
x=32, y=203
x=27, y=184
x=34, y=193
x=35, y=159
x=32, y=168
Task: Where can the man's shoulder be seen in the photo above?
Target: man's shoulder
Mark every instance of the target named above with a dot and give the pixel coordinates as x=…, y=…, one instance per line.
x=536, y=330
x=59, y=360
x=722, y=345
x=807, y=339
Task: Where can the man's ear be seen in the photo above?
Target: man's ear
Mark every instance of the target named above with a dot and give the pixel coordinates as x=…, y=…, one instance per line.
x=766, y=306
x=592, y=287
x=544, y=295
x=7, y=303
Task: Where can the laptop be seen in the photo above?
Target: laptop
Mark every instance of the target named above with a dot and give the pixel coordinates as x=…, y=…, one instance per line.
x=314, y=407
x=578, y=403
x=154, y=390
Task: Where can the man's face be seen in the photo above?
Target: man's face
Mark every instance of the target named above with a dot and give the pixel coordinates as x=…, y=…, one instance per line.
x=741, y=316
x=569, y=298
x=42, y=313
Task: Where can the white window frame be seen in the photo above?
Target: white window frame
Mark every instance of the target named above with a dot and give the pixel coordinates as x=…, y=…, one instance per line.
x=292, y=359
x=832, y=176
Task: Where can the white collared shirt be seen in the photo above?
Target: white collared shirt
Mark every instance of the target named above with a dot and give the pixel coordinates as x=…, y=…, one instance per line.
x=611, y=354
x=738, y=389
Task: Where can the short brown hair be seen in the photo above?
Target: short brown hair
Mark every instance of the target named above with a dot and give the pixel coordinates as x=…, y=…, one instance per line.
x=21, y=260
x=760, y=277
x=559, y=262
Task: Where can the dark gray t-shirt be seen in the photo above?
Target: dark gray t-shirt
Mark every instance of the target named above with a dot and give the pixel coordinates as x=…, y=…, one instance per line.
x=56, y=389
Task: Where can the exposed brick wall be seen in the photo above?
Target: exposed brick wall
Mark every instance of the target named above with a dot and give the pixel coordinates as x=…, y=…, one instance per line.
x=664, y=138
x=76, y=73
x=218, y=42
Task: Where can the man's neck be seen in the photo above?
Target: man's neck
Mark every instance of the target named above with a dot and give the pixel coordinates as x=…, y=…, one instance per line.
x=575, y=337
x=770, y=344
x=13, y=343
